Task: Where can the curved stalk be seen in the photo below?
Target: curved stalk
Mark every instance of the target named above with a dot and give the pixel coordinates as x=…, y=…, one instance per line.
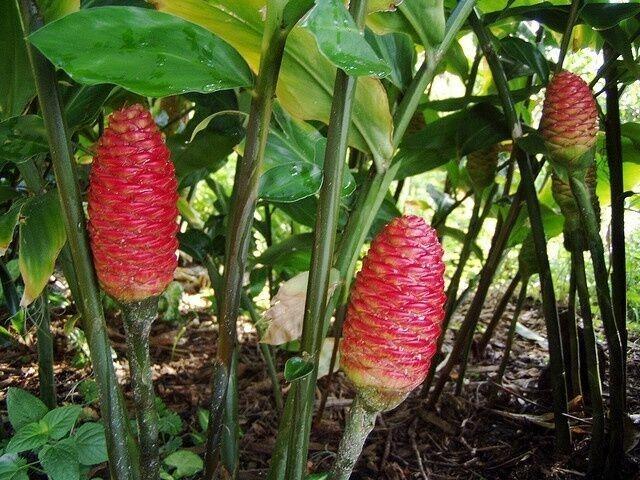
x=121, y=446
x=39, y=312
x=322, y=256
x=359, y=424
x=9, y=290
x=138, y=318
x=465, y=253
x=597, y=449
x=563, y=434
x=566, y=37
x=522, y=296
x=570, y=341
x=497, y=314
x=240, y=221
x=614, y=160
x=616, y=354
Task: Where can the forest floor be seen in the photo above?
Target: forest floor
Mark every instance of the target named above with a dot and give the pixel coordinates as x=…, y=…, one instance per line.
x=465, y=438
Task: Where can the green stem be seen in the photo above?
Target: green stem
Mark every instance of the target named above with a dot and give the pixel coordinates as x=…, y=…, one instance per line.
x=616, y=183
x=370, y=198
x=616, y=354
x=497, y=314
x=240, y=221
x=9, y=291
x=512, y=331
x=566, y=37
x=597, y=449
x=359, y=424
x=475, y=308
x=137, y=318
x=39, y=312
x=465, y=253
x=322, y=255
x=120, y=443
x=563, y=434
x=570, y=341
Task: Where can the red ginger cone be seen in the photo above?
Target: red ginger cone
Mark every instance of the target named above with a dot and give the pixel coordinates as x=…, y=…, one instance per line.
x=569, y=121
x=395, y=313
x=132, y=207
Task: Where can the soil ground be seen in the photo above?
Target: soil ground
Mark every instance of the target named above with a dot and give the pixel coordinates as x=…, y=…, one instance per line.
x=465, y=438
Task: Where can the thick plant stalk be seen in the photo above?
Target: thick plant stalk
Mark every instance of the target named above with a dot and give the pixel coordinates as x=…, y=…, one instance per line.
x=132, y=226
x=322, y=256
x=614, y=160
x=240, y=221
x=369, y=200
x=511, y=333
x=138, y=317
x=359, y=424
x=123, y=452
x=497, y=313
x=597, y=448
x=39, y=312
x=562, y=432
x=616, y=354
x=570, y=341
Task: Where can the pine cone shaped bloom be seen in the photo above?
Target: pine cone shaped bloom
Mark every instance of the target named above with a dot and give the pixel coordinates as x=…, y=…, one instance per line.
x=569, y=121
x=132, y=207
x=395, y=313
x=482, y=164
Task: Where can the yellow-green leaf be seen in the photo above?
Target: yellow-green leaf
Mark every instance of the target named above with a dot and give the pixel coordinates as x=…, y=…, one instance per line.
x=42, y=236
x=305, y=85
x=54, y=9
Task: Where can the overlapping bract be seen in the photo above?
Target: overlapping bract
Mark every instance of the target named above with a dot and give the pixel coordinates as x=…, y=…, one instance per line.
x=395, y=313
x=132, y=207
x=569, y=121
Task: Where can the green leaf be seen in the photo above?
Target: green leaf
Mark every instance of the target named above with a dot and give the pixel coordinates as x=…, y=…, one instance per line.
x=22, y=138
x=305, y=73
x=91, y=443
x=29, y=437
x=185, y=462
x=16, y=81
x=427, y=19
x=54, y=9
x=606, y=15
x=293, y=161
x=60, y=460
x=89, y=390
x=398, y=51
x=297, y=368
x=318, y=476
x=340, y=40
x=61, y=420
x=24, y=408
x=450, y=137
x=8, y=222
x=527, y=54
x=42, y=236
x=13, y=467
x=171, y=56
x=288, y=251
x=195, y=159
x=85, y=103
